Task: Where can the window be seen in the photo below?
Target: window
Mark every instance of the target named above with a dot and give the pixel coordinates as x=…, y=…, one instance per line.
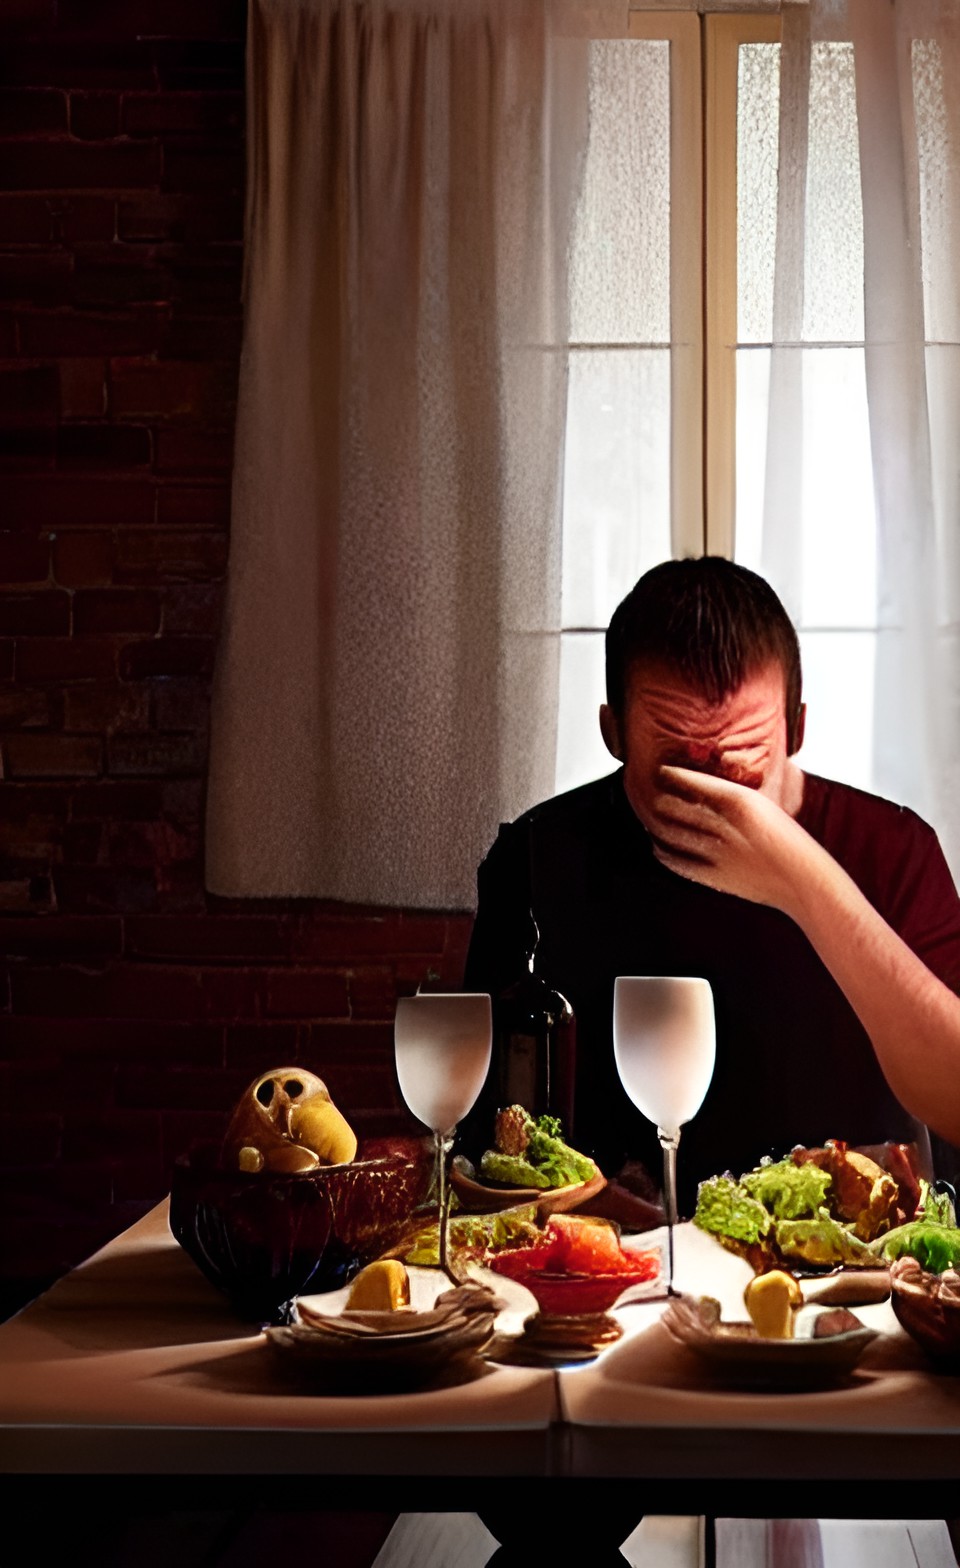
x=677, y=303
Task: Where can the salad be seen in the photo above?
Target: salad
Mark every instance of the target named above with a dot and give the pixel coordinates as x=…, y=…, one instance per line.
x=531, y=1153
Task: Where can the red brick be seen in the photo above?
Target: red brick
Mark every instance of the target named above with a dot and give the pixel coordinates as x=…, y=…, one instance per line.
x=354, y=939
x=65, y=658
x=8, y=334
x=154, y=114
x=186, y=1089
x=26, y=111
x=84, y=220
x=103, y=446
x=23, y=802
x=149, y=18
x=112, y=1039
x=51, y=756
x=24, y=559
x=373, y=995
x=26, y=220
x=258, y=1047
x=209, y=937
x=117, y=802
x=194, y=451
x=37, y=279
x=81, y=843
x=180, y=219
x=80, y=61
x=70, y=165
x=206, y=338
x=208, y=287
x=188, y=167
x=25, y=708
x=64, y=936
x=210, y=64
x=41, y=499
x=45, y=614
x=35, y=1138
x=192, y=610
x=25, y=895
x=103, y=708
x=160, y=845
x=83, y=560
x=60, y=334
x=6, y=659
x=154, y=755
x=111, y=1135
x=171, y=390
x=170, y=557
x=83, y=388
x=182, y=705
x=39, y=839
x=182, y=1129
x=29, y=395
x=112, y=277
x=94, y=116
x=93, y=890
x=115, y=610
x=28, y=15
x=167, y=656
x=206, y=506
x=344, y=1041
x=121, y=990
x=28, y=447
x=231, y=995
x=298, y=993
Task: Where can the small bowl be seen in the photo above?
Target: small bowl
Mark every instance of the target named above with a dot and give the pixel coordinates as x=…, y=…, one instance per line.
x=568, y=1295
x=928, y=1307
x=742, y=1357
x=265, y=1237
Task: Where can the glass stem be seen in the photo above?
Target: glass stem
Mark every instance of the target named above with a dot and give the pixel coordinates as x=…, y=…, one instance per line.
x=668, y=1143
x=443, y=1143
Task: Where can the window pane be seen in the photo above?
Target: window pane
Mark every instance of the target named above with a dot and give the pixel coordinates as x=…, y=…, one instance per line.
x=581, y=754
x=758, y=129
x=838, y=669
x=833, y=273
x=616, y=477
x=620, y=261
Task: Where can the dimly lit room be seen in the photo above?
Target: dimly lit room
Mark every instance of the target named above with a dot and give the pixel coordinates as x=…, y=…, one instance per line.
x=479, y=779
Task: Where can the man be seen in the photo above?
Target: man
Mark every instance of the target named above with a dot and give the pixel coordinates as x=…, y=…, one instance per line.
x=825, y=919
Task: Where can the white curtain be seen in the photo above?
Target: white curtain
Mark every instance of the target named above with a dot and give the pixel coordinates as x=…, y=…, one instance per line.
x=902, y=73
x=386, y=688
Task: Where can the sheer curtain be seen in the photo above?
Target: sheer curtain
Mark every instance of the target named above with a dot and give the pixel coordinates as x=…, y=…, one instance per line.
x=890, y=73
x=386, y=688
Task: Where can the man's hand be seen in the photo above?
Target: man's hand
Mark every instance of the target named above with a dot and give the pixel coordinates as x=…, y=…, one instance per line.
x=732, y=838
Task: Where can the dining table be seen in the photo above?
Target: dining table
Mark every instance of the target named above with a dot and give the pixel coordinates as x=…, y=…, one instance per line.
x=134, y=1364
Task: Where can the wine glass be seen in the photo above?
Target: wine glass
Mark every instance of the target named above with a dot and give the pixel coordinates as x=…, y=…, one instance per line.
x=664, y=1043
x=443, y=1042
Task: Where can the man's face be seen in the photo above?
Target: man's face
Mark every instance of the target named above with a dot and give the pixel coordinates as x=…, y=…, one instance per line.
x=742, y=738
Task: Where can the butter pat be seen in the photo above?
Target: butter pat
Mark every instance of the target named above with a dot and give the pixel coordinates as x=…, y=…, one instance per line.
x=771, y=1300
x=383, y=1286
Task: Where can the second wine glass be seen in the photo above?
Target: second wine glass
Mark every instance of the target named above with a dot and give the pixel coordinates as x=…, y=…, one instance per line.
x=664, y=1043
x=442, y=1042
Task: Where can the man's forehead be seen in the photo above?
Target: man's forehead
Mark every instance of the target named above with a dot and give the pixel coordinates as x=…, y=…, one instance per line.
x=663, y=693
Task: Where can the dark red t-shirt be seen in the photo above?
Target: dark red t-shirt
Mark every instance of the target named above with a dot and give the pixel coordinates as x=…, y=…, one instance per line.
x=794, y=1064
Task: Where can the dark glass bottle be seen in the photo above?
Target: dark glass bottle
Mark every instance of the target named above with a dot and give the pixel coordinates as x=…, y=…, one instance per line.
x=534, y=1044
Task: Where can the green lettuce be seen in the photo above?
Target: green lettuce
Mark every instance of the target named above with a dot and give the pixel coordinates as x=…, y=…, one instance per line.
x=821, y=1240
x=545, y=1162
x=786, y=1190
x=472, y=1236
x=931, y=1237
x=726, y=1209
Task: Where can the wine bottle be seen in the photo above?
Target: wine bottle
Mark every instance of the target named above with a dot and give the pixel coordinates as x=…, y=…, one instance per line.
x=534, y=1044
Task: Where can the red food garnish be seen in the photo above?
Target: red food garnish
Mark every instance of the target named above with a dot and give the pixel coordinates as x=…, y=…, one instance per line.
x=577, y=1247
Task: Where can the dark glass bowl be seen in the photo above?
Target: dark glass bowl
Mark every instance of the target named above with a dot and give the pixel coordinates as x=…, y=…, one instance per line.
x=265, y=1237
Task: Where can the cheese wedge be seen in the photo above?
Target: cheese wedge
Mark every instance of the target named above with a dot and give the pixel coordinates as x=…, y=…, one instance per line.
x=383, y=1286
x=771, y=1300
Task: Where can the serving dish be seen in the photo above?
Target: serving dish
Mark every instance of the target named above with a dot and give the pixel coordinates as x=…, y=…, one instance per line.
x=482, y=1198
x=928, y=1306
x=738, y=1354
x=265, y=1237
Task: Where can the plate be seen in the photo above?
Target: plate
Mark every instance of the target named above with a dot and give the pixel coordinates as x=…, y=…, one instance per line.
x=385, y=1352
x=479, y=1197
x=739, y=1355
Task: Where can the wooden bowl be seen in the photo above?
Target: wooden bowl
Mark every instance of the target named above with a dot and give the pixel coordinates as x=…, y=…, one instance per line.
x=482, y=1199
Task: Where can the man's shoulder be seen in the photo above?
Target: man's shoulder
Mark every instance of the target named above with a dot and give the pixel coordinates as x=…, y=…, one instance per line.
x=585, y=802
x=831, y=808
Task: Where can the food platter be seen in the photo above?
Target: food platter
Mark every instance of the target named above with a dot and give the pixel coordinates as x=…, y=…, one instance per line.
x=483, y=1198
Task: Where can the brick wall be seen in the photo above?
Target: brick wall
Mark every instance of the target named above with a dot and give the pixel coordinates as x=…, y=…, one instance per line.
x=133, y=1007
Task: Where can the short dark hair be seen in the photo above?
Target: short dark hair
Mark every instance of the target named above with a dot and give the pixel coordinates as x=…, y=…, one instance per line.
x=712, y=621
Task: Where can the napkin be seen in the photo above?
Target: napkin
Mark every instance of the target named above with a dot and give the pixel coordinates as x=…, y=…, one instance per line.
x=437, y=1541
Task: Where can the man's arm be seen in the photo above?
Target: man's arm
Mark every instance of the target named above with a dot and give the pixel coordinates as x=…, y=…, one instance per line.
x=737, y=841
